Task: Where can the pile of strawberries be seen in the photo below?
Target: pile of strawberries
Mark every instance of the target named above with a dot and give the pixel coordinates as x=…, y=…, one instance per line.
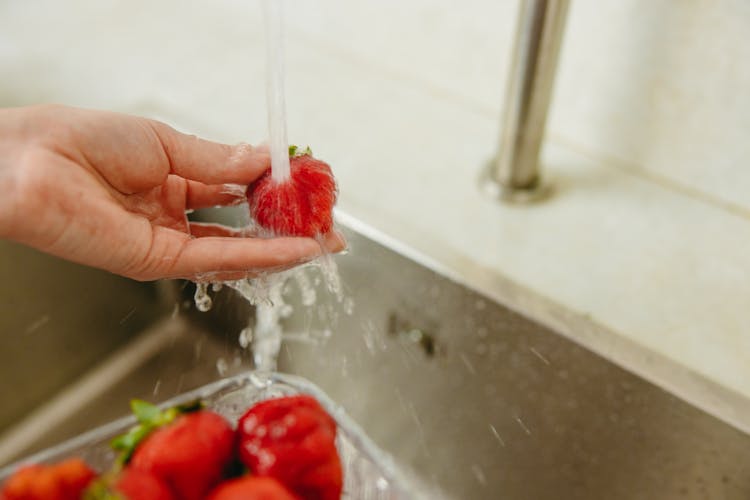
x=282, y=449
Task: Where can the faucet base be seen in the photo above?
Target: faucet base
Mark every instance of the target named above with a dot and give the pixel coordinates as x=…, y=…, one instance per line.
x=538, y=191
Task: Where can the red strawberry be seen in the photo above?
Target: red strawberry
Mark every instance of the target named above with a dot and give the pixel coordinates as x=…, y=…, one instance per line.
x=136, y=484
x=63, y=481
x=251, y=488
x=299, y=206
x=293, y=440
x=128, y=484
x=190, y=454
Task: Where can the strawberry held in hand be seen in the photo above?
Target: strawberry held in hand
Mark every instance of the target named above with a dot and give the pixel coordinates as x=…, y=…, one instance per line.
x=299, y=206
x=62, y=481
x=293, y=439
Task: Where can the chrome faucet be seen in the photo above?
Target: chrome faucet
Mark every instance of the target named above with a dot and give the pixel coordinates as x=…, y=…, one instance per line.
x=514, y=174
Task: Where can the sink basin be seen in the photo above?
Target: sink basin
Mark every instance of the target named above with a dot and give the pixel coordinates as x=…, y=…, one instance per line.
x=479, y=400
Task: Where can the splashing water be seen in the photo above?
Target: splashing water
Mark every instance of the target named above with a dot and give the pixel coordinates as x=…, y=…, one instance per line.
x=203, y=301
x=266, y=292
x=273, y=11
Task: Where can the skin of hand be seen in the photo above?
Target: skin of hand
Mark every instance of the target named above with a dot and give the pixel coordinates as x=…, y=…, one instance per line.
x=111, y=191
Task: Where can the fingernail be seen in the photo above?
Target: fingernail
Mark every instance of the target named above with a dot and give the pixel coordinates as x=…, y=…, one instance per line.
x=337, y=242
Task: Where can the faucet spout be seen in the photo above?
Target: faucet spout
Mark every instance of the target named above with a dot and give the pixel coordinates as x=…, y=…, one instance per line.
x=514, y=173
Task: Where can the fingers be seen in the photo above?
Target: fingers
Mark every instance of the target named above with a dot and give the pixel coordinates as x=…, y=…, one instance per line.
x=200, y=195
x=243, y=255
x=207, y=229
x=211, y=162
x=333, y=242
x=218, y=256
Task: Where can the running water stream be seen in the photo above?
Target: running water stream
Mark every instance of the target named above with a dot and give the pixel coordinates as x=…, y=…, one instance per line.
x=266, y=292
x=273, y=11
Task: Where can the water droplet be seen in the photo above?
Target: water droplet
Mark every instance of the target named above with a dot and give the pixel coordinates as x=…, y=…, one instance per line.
x=222, y=366
x=246, y=337
x=36, y=325
x=381, y=483
x=306, y=288
x=285, y=310
x=348, y=306
x=203, y=301
x=479, y=474
x=330, y=273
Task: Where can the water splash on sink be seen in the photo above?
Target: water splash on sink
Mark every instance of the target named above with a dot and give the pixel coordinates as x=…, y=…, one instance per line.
x=266, y=292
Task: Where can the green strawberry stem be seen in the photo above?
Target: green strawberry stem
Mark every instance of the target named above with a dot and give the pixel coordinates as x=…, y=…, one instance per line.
x=150, y=417
x=295, y=151
x=100, y=490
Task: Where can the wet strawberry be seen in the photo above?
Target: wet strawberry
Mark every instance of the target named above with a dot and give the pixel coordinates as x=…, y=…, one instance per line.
x=189, y=454
x=128, y=484
x=251, y=488
x=293, y=439
x=135, y=484
x=62, y=481
x=299, y=206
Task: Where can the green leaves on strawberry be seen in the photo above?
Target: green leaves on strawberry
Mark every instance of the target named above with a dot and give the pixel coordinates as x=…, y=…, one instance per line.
x=295, y=151
x=150, y=417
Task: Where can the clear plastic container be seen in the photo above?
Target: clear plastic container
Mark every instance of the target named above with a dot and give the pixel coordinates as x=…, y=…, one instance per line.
x=369, y=473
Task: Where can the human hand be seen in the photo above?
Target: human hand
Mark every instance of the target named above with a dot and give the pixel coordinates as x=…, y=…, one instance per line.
x=111, y=191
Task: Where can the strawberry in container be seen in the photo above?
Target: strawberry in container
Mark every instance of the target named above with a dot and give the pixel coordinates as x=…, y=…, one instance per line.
x=66, y=480
x=292, y=439
x=282, y=449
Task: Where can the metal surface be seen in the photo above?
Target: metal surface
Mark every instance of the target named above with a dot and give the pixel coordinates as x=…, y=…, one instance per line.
x=478, y=399
x=57, y=320
x=514, y=174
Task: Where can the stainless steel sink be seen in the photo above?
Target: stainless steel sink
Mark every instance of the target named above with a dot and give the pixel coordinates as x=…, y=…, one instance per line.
x=474, y=397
